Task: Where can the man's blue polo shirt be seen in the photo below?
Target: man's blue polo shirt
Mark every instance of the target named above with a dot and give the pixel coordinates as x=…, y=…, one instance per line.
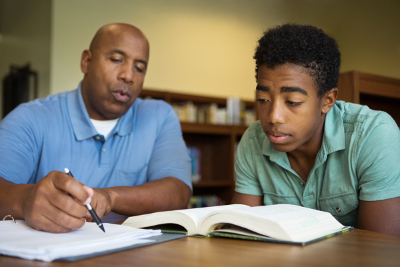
x=56, y=133
x=359, y=159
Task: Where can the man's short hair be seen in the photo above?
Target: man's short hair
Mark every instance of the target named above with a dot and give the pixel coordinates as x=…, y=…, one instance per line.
x=303, y=45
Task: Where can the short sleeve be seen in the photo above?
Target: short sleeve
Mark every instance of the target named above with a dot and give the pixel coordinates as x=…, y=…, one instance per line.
x=246, y=180
x=378, y=165
x=18, y=145
x=169, y=157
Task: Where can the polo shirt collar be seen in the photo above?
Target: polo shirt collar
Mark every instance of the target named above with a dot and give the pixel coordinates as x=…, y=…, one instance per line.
x=126, y=122
x=80, y=120
x=275, y=155
x=333, y=139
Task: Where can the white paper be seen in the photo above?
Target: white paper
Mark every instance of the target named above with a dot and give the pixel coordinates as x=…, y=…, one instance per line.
x=22, y=241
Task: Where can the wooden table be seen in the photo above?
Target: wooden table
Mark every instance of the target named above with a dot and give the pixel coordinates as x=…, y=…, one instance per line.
x=354, y=248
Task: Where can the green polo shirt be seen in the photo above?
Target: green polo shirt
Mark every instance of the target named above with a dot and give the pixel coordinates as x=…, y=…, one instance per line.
x=359, y=160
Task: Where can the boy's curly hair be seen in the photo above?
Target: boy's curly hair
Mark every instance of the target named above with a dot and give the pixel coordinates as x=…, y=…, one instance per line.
x=303, y=45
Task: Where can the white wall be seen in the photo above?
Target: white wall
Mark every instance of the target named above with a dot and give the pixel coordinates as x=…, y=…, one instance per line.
x=25, y=38
x=367, y=31
x=197, y=46
x=201, y=47
x=206, y=46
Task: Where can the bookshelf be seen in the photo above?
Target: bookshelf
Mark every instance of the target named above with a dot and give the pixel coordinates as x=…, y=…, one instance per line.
x=376, y=91
x=216, y=142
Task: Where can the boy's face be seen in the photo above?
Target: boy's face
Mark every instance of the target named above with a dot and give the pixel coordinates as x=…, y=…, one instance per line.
x=291, y=113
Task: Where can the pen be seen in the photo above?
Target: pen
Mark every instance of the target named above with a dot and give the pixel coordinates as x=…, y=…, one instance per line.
x=89, y=207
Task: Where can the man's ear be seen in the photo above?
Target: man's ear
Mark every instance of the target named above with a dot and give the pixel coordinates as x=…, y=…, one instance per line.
x=85, y=60
x=328, y=100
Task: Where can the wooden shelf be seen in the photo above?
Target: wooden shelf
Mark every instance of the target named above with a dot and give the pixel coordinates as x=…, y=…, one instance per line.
x=379, y=85
x=197, y=99
x=203, y=128
x=216, y=143
x=375, y=91
x=239, y=130
x=205, y=184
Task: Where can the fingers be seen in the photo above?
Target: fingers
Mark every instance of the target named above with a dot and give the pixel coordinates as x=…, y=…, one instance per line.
x=65, y=193
x=71, y=186
x=67, y=204
x=89, y=191
x=55, y=203
x=101, y=202
x=49, y=219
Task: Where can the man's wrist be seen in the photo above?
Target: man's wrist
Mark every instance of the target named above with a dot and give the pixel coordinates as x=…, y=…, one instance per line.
x=112, y=196
x=21, y=199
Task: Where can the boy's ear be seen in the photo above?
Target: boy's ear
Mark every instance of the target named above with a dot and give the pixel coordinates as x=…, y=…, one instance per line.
x=328, y=100
x=85, y=60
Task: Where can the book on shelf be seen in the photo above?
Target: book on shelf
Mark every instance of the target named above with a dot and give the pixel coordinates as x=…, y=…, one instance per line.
x=281, y=223
x=249, y=117
x=237, y=113
x=205, y=201
x=233, y=114
x=189, y=112
x=234, y=110
x=195, y=157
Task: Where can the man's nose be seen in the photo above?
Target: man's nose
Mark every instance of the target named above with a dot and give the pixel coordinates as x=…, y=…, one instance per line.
x=127, y=74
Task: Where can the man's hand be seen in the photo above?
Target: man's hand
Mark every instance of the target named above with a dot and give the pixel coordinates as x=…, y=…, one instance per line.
x=56, y=203
x=101, y=203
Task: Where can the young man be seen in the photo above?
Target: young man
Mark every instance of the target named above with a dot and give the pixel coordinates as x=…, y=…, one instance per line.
x=309, y=149
x=130, y=151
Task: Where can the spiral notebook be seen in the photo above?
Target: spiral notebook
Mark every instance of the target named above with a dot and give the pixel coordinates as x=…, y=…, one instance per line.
x=19, y=240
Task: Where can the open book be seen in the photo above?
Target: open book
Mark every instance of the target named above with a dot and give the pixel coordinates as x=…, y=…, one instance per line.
x=274, y=223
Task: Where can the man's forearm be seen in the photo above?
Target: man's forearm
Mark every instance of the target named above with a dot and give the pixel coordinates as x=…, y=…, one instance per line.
x=165, y=194
x=11, y=198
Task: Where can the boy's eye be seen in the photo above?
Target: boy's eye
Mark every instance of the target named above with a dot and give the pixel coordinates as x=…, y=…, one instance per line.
x=116, y=60
x=262, y=100
x=293, y=104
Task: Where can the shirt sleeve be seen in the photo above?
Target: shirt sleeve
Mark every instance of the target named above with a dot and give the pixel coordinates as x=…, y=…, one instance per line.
x=18, y=146
x=246, y=180
x=169, y=157
x=378, y=165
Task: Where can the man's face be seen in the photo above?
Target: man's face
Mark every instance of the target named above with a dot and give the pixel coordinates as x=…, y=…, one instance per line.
x=114, y=74
x=289, y=108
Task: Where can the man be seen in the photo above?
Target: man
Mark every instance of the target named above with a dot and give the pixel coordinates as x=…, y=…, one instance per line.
x=309, y=149
x=126, y=154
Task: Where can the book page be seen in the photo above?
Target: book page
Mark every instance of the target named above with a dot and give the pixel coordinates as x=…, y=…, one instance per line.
x=234, y=229
x=187, y=218
x=281, y=212
x=198, y=214
x=281, y=221
x=22, y=241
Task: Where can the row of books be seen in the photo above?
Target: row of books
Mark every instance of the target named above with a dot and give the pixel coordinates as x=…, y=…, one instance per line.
x=205, y=201
x=235, y=113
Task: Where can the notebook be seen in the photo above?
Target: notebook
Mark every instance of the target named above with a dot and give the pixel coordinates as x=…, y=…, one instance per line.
x=20, y=240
